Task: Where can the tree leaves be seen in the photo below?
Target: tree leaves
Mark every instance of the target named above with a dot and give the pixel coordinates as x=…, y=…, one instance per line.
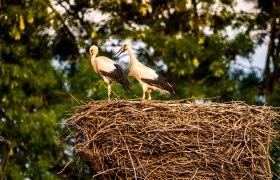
x=21, y=23
x=195, y=62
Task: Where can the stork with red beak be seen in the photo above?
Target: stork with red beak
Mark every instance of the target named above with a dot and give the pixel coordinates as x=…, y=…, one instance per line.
x=147, y=77
x=108, y=69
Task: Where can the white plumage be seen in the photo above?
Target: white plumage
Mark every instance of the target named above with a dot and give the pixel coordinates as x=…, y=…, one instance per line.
x=147, y=77
x=108, y=69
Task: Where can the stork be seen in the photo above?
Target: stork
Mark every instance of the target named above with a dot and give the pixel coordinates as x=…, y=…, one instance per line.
x=108, y=69
x=147, y=77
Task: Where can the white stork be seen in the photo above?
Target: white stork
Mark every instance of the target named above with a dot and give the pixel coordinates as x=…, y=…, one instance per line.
x=108, y=69
x=147, y=77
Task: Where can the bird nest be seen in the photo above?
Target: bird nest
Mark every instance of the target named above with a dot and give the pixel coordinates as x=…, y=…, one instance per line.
x=130, y=139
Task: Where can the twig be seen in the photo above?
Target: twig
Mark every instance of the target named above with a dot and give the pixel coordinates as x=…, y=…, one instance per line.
x=174, y=139
x=70, y=161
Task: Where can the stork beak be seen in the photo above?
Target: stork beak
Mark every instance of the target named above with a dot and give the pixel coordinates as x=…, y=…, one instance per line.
x=120, y=51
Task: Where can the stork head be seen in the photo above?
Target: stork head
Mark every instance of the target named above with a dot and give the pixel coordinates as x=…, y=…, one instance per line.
x=93, y=50
x=123, y=49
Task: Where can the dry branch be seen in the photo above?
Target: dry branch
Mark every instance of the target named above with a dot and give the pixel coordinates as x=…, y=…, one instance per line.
x=122, y=139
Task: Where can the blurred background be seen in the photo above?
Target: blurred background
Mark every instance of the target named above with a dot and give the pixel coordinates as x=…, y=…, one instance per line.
x=219, y=49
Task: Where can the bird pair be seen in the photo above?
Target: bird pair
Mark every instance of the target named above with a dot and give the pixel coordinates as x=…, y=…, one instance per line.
x=112, y=72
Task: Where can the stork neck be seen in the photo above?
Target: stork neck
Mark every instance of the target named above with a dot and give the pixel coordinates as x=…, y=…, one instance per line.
x=93, y=62
x=92, y=59
x=93, y=56
x=133, y=60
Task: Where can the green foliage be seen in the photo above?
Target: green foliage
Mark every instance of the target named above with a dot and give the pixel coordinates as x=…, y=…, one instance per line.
x=30, y=92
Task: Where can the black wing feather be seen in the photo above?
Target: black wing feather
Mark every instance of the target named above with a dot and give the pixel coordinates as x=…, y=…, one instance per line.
x=118, y=75
x=160, y=83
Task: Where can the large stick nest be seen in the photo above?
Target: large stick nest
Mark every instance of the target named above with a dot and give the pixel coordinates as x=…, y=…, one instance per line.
x=174, y=139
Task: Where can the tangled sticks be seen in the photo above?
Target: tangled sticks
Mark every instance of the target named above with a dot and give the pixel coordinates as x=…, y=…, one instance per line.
x=122, y=139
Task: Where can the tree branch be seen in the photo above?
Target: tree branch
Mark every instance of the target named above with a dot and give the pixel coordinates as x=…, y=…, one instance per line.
x=63, y=22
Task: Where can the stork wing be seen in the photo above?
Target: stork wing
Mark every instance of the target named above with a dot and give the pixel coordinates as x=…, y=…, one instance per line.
x=104, y=64
x=146, y=72
x=113, y=72
x=152, y=78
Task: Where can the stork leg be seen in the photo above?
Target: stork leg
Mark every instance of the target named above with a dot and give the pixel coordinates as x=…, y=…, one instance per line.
x=109, y=91
x=149, y=93
x=144, y=91
x=143, y=97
